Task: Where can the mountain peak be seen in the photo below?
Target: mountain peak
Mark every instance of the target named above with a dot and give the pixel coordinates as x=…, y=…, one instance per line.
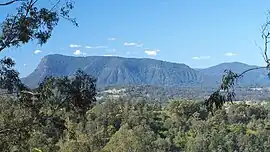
x=113, y=70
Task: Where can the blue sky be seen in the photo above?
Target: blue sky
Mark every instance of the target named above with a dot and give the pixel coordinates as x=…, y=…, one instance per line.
x=195, y=32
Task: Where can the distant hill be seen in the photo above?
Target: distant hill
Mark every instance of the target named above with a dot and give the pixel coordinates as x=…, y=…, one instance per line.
x=218, y=70
x=117, y=71
x=111, y=70
x=253, y=78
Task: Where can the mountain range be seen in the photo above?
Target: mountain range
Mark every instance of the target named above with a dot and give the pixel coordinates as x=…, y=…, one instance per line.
x=112, y=70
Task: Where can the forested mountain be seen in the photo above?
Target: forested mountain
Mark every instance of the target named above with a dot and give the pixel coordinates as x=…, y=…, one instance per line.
x=117, y=71
x=132, y=71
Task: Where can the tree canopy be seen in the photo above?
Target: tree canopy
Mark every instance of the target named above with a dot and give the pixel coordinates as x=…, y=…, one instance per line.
x=32, y=22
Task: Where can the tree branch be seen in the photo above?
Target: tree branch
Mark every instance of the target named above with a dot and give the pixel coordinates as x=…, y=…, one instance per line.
x=2, y=48
x=251, y=69
x=262, y=51
x=55, y=5
x=266, y=48
x=9, y=40
x=10, y=2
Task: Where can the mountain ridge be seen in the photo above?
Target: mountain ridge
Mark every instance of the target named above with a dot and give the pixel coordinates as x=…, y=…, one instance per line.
x=115, y=70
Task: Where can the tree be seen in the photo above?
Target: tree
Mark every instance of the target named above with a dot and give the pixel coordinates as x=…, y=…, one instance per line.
x=9, y=77
x=140, y=138
x=79, y=91
x=76, y=93
x=226, y=91
x=46, y=111
x=32, y=22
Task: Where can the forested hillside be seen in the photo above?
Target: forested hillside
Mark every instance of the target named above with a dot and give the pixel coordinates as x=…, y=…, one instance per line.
x=136, y=125
x=163, y=94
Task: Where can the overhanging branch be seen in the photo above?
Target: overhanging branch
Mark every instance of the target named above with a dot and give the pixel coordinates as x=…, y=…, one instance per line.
x=251, y=69
x=10, y=2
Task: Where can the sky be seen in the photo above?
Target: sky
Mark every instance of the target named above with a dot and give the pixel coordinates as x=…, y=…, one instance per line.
x=195, y=32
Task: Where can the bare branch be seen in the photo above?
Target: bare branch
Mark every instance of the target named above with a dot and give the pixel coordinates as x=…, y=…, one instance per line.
x=266, y=48
x=265, y=26
x=251, y=69
x=72, y=20
x=2, y=48
x=261, y=51
x=55, y=5
x=10, y=2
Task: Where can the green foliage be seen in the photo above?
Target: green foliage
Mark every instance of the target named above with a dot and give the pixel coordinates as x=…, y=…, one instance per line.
x=74, y=93
x=9, y=77
x=184, y=109
x=37, y=119
x=135, y=125
x=225, y=93
x=139, y=138
x=32, y=22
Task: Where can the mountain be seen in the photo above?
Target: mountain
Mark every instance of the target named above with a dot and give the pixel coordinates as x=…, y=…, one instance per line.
x=218, y=70
x=257, y=77
x=112, y=70
x=117, y=71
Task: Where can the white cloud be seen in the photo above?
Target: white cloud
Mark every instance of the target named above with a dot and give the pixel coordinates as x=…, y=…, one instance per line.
x=196, y=58
x=133, y=44
x=96, y=47
x=37, y=51
x=78, y=52
x=112, y=39
x=25, y=65
x=230, y=54
x=101, y=47
x=201, y=57
x=75, y=46
x=151, y=52
x=129, y=44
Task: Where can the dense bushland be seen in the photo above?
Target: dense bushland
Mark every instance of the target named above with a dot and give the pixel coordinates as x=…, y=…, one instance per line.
x=133, y=125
